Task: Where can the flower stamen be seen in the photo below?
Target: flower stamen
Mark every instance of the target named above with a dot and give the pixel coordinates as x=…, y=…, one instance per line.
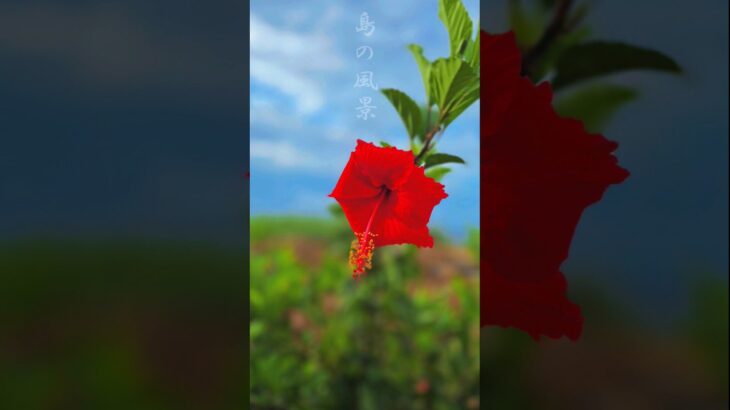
x=361, y=253
x=363, y=246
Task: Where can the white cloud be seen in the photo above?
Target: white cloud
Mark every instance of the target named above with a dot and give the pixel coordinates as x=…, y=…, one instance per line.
x=279, y=154
x=283, y=154
x=290, y=62
x=310, y=51
x=267, y=114
x=309, y=97
x=264, y=112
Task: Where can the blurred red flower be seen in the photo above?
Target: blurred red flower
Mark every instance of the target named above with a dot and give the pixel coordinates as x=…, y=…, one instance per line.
x=538, y=173
x=422, y=386
x=387, y=200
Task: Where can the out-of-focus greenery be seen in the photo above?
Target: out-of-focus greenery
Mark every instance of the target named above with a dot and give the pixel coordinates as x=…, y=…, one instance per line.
x=319, y=340
x=707, y=324
x=578, y=65
x=620, y=362
x=121, y=324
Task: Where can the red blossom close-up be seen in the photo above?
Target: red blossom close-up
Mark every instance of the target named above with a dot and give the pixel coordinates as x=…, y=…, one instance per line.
x=538, y=173
x=387, y=200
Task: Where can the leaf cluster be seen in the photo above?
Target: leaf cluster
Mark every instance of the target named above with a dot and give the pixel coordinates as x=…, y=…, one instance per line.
x=451, y=85
x=576, y=64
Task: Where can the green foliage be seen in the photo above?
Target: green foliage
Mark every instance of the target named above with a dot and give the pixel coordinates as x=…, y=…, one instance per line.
x=595, y=105
x=454, y=87
x=320, y=340
x=546, y=64
x=569, y=57
x=599, y=58
x=527, y=22
x=438, y=159
x=88, y=314
x=457, y=22
x=424, y=66
x=430, y=118
x=264, y=227
x=473, y=52
x=505, y=356
x=473, y=240
x=408, y=110
x=451, y=83
x=438, y=173
x=707, y=323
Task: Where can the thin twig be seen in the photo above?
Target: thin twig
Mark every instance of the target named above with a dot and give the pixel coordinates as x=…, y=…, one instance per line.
x=556, y=27
x=427, y=142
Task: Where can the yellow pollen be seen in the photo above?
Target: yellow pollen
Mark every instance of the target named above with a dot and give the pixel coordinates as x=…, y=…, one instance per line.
x=361, y=253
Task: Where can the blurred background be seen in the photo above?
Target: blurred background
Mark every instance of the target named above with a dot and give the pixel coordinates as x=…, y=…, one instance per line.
x=649, y=263
x=407, y=335
x=123, y=205
x=404, y=336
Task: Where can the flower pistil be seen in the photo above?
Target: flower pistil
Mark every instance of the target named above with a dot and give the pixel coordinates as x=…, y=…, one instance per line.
x=361, y=250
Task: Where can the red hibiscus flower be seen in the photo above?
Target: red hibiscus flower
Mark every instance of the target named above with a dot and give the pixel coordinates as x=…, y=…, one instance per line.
x=539, y=172
x=387, y=200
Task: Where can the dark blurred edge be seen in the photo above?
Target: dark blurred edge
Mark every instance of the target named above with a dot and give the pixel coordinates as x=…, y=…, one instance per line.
x=124, y=205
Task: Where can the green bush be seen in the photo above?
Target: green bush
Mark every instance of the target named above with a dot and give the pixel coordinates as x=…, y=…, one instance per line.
x=319, y=340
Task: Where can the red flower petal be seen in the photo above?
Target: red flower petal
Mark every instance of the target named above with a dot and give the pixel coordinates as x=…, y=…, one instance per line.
x=387, y=166
x=539, y=172
x=416, y=198
x=537, y=307
x=353, y=184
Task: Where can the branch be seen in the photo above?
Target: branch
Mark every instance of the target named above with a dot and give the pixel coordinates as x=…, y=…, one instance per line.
x=427, y=142
x=554, y=29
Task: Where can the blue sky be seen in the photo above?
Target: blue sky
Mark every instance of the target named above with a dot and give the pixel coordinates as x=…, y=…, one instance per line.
x=303, y=103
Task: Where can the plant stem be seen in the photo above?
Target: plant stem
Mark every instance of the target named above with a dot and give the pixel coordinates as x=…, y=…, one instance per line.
x=552, y=31
x=427, y=139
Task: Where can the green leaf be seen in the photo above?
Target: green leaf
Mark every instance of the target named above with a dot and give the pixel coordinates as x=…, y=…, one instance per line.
x=598, y=58
x=595, y=105
x=384, y=144
x=456, y=19
x=439, y=158
x=527, y=23
x=437, y=173
x=546, y=64
x=444, y=73
x=424, y=66
x=472, y=53
x=407, y=109
x=461, y=102
x=430, y=119
x=454, y=87
x=463, y=46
